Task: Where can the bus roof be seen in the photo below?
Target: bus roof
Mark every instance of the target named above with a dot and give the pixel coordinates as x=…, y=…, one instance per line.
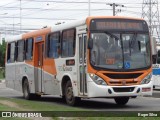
x=64, y=26
x=55, y=28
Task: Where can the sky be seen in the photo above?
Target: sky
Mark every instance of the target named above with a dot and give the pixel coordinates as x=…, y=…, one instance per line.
x=19, y=16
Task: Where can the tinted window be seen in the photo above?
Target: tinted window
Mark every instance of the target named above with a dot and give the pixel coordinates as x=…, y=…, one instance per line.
x=20, y=50
x=68, y=43
x=80, y=49
x=53, y=45
x=8, y=52
x=12, y=53
x=29, y=49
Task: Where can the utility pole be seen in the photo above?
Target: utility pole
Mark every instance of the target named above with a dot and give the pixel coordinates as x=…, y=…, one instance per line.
x=150, y=13
x=114, y=5
x=20, y=16
x=89, y=7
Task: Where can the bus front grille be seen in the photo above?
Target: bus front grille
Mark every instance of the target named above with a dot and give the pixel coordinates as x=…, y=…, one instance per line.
x=124, y=89
x=123, y=76
x=121, y=82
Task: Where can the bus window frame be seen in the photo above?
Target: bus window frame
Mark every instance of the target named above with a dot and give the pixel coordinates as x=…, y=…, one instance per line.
x=23, y=50
x=48, y=46
x=26, y=48
x=8, y=52
x=9, y=60
x=74, y=40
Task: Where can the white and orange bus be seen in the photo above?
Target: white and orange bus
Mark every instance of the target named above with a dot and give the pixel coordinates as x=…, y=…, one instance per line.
x=105, y=57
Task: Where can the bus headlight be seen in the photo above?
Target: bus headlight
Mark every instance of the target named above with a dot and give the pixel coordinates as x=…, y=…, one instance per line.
x=147, y=79
x=97, y=79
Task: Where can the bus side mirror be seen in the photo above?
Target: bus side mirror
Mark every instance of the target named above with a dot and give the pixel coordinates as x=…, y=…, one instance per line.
x=90, y=43
x=158, y=60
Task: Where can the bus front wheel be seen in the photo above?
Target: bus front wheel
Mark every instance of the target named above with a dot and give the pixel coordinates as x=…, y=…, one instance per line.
x=121, y=100
x=69, y=96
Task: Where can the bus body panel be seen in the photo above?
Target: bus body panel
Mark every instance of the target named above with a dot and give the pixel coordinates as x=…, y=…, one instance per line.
x=10, y=75
x=46, y=77
x=95, y=90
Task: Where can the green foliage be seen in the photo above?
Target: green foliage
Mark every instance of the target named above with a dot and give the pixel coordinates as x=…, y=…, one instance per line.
x=2, y=72
x=2, y=53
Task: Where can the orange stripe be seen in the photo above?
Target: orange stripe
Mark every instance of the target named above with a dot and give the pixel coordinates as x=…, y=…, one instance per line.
x=49, y=66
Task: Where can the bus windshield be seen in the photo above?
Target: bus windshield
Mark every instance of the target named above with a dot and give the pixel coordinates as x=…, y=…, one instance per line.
x=120, y=50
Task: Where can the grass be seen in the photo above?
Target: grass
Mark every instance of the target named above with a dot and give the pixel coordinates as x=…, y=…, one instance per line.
x=2, y=73
x=7, y=108
x=41, y=106
x=26, y=105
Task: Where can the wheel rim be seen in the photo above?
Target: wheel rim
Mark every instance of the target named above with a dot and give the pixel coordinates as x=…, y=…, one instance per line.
x=69, y=94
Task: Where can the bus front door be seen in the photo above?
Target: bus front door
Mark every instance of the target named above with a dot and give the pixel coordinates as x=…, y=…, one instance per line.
x=82, y=64
x=39, y=70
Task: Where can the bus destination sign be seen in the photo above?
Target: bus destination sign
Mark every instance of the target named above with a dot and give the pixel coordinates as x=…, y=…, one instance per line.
x=123, y=25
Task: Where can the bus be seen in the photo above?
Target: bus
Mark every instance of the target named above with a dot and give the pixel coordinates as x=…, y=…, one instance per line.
x=156, y=67
x=97, y=57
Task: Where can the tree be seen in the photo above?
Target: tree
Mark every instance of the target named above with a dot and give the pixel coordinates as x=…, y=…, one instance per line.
x=2, y=53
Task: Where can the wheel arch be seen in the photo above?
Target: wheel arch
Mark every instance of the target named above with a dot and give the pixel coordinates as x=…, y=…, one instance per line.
x=23, y=79
x=65, y=79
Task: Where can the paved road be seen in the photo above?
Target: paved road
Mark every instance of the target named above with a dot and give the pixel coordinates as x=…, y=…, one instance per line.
x=138, y=104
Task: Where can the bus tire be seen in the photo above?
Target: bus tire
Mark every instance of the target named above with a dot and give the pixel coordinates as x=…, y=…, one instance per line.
x=121, y=100
x=69, y=96
x=36, y=96
x=26, y=91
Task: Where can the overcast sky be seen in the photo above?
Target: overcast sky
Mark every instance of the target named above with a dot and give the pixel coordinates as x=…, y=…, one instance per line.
x=35, y=14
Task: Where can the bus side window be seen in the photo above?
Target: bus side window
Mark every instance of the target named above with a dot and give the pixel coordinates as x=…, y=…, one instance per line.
x=9, y=53
x=20, y=50
x=29, y=49
x=53, y=45
x=68, y=43
x=12, y=52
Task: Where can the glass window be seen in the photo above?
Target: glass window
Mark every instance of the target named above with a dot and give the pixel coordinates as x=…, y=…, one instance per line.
x=120, y=51
x=85, y=47
x=12, y=53
x=80, y=49
x=20, y=50
x=68, y=43
x=29, y=49
x=106, y=51
x=53, y=45
x=9, y=52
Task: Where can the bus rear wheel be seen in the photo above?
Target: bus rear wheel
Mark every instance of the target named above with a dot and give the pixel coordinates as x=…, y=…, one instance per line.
x=69, y=96
x=26, y=91
x=121, y=100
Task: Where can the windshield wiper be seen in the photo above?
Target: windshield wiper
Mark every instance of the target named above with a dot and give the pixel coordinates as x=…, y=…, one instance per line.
x=133, y=40
x=112, y=35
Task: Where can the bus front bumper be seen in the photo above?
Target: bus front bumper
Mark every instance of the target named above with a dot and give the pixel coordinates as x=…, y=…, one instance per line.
x=95, y=90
